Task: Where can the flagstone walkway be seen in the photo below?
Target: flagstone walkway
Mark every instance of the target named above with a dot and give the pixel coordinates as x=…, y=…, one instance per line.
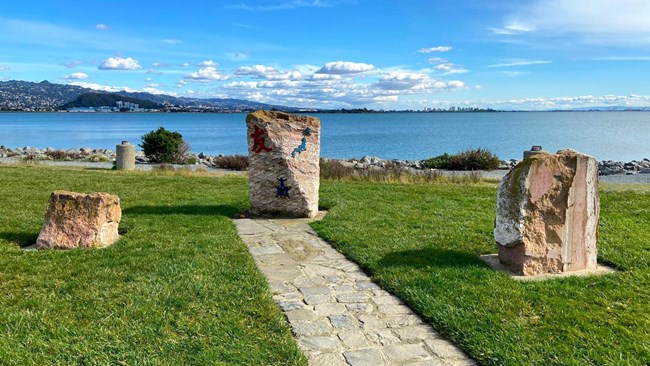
x=337, y=314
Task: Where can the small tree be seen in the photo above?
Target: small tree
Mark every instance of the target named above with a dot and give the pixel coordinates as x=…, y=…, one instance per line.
x=163, y=146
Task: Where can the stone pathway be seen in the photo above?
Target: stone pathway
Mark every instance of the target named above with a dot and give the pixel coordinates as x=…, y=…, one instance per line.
x=337, y=314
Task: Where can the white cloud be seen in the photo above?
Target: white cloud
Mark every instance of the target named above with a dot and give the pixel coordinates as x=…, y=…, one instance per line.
x=450, y=68
x=185, y=64
x=344, y=68
x=117, y=63
x=512, y=28
x=268, y=73
x=416, y=82
x=76, y=76
x=171, y=41
x=437, y=60
x=435, y=49
x=205, y=75
x=154, y=72
x=520, y=63
x=208, y=63
x=101, y=26
x=4, y=68
x=109, y=88
x=617, y=22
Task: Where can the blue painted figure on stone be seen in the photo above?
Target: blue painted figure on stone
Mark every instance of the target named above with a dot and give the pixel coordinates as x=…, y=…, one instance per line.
x=303, y=144
x=282, y=190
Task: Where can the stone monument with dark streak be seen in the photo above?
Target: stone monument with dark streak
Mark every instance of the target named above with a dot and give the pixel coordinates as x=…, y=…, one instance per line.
x=547, y=214
x=284, y=154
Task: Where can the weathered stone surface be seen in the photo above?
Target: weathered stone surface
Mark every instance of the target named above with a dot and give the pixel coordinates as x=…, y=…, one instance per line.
x=78, y=220
x=284, y=154
x=547, y=214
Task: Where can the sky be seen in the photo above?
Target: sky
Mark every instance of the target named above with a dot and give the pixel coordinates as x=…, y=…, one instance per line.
x=376, y=54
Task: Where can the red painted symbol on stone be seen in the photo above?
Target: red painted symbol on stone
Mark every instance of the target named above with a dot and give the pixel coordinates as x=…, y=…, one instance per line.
x=259, y=141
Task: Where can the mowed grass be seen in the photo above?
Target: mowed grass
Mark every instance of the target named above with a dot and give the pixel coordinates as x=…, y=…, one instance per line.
x=179, y=289
x=422, y=242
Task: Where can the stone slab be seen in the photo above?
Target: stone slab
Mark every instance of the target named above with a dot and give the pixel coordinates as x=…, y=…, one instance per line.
x=493, y=261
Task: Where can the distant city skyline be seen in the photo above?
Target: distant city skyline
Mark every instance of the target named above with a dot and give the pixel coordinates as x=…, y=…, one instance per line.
x=552, y=54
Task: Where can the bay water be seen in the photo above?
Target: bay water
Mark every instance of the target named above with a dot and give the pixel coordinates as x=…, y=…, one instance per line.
x=605, y=135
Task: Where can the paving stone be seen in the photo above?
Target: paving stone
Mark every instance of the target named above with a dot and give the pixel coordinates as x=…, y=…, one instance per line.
x=317, y=269
x=382, y=337
x=308, y=281
x=353, y=339
x=291, y=305
x=324, y=310
x=316, y=290
x=352, y=297
x=402, y=321
x=294, y=295
x=302, y=315
x=321, y=343
x=367, y=285
x=343, y=289
x=386, y=300
x=318, y=327
x=394, y=309
x=282, y=287
x=319, y=299
x=360, y=307
x=370, y=321
x=415, y=333
x=430, y=362
x=342, y=321
x=444, y=349
x=365, y=357
x=405, y=352
x=327, y=359
x=334, y=279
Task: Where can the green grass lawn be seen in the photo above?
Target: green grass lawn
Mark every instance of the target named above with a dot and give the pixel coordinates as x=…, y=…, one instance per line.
x=179, y=289
x=422, y=242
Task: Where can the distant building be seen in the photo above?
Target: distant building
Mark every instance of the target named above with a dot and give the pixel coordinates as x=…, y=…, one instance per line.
x=127, y=105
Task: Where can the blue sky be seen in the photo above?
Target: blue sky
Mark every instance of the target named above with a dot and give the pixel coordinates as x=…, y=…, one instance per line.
x=341, y=53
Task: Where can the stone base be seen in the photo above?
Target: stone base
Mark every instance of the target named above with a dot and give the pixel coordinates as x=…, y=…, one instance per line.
x=493, y=261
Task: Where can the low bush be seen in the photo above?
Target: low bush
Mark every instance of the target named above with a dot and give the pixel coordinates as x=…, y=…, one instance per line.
x=439, y=162
x=163, y=146
x=471, y=159
x=232, y=162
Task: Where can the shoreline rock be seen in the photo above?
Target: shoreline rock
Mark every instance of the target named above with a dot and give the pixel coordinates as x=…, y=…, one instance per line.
x=605, y=167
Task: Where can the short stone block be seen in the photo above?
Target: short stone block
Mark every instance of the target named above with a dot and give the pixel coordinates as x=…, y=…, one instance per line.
x=78, y=220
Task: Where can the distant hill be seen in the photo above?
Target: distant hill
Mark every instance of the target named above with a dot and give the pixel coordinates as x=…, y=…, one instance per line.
x=25, y=95
x=96, y=100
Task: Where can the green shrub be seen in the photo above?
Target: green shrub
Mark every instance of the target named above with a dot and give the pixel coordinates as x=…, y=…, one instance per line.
x=439, y=162
x=162, y=146
x=472, y=159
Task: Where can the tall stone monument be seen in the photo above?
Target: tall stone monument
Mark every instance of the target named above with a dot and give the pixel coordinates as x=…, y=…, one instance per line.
x=284, y=154
x=547, y=214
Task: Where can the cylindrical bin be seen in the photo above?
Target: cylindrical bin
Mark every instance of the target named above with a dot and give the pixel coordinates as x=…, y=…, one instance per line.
x=535, y=150
x=125, y=157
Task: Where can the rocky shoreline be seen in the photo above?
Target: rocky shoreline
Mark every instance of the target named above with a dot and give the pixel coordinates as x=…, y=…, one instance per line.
x=86, y=154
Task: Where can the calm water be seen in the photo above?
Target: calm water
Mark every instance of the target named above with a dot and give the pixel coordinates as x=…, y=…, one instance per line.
x=604, y=135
